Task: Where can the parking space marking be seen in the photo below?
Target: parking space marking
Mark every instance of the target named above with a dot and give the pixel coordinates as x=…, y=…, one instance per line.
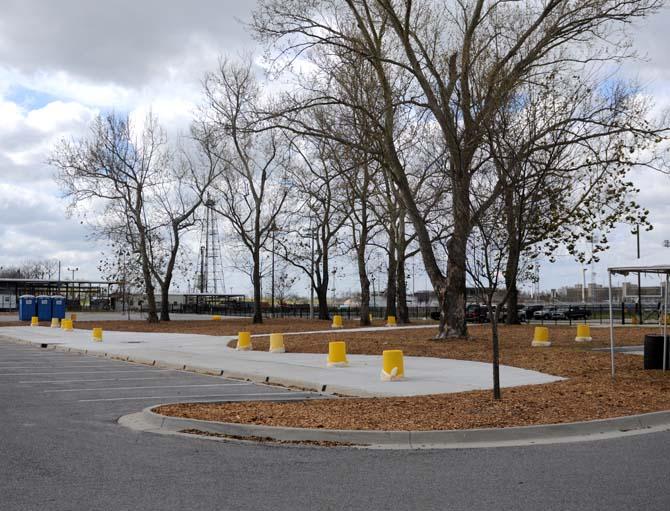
x=234, y=384
x=92, y=366
x=97, y=379
x=181, y=396
x=90, y=372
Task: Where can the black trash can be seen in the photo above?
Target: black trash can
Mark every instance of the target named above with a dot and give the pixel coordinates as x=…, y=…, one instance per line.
x=653, y=352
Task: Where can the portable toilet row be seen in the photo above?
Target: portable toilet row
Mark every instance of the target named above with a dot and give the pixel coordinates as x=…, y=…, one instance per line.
x=44, y=307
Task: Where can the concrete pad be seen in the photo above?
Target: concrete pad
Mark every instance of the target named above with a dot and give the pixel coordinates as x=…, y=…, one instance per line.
x=424, y=375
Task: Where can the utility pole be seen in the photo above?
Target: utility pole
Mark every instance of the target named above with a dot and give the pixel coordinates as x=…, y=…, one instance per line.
x=583, y=286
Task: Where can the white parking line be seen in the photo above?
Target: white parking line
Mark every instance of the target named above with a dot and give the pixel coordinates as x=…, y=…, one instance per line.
x=152, y=387
x=96, y=379
x=91, y=372
x=93, y=366
x=181, y=396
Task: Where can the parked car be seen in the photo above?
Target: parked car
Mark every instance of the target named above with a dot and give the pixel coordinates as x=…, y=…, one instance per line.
x=521, y=313
x=477, y=313
x=551, y=313
x=576, y=312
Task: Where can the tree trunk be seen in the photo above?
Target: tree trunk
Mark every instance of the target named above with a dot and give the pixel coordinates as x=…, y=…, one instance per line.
x=256, y=278
x=392, y=280
x=322, y=297
x=454, y=293
x=496, y=350
x=165, y=302
x=513, y=257
x=152, y=314
x=365, y=284
x=512, y=317
x=401, y=249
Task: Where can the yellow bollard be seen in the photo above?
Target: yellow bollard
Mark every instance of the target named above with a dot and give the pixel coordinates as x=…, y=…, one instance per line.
x=393, y=367
x=244, y=341
x=337, y=321
x=277, y=343
x=337, y=354
x=216, y=318
x=390, y=321
x=541, y=337
x=370, y=317
x=97, y=334
x=66, y=325
x=583, y=333
x=55, y=323
x=34, y=321
x=73, y=316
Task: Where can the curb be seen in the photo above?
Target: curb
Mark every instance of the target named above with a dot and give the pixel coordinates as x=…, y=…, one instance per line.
x=603, y=429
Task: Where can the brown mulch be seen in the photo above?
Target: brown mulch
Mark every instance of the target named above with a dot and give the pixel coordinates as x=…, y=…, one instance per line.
x=588, y=393
x=227, y=326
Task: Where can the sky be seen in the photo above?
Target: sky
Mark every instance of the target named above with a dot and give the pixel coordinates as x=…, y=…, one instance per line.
x=62, y=63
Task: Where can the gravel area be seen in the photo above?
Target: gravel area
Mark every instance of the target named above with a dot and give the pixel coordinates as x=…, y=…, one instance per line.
x=588, y=393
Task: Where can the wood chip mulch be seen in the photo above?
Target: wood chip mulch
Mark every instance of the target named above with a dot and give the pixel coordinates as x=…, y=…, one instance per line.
x=589, y=392
x=227, y=326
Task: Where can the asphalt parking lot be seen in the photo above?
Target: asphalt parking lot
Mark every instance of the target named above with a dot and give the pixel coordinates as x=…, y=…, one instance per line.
x=62, y=449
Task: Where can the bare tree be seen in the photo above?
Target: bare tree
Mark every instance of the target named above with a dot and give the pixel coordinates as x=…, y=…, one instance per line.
x=465, y=60
x=251, y=190
x=132, y=189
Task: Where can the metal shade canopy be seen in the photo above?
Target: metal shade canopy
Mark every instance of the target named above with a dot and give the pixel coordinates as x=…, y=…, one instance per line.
x=660, y=269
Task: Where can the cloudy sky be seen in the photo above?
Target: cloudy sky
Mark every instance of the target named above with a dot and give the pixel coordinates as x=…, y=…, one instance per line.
x=62, y=62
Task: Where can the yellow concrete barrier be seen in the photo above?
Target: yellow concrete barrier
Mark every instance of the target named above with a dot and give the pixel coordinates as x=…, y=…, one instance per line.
x=393, y=367
x=97, y=334
x=541, y=337
x=66, y=325
x=55, y=323
x=244, y=341
x=337, y=321
x=390, y=321
x=277, y=343
x=34, y=321
x=337, y=354
x=583, y=333
x=216, y=317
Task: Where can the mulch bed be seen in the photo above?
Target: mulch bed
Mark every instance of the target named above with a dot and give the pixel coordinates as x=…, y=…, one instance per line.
x=588, y=394
x=227, y=326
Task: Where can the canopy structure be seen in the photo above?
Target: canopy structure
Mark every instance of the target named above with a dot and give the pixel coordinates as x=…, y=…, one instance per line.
x=654, y=269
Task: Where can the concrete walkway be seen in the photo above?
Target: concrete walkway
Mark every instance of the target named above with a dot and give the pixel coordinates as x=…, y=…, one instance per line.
x=424, y=375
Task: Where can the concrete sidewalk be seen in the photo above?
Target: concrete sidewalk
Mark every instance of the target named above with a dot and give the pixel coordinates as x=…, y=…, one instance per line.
x=205, y=353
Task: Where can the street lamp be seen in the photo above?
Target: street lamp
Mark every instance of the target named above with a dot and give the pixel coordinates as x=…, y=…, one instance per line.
x=374, y=293
x=73, y=270
x=583, y=286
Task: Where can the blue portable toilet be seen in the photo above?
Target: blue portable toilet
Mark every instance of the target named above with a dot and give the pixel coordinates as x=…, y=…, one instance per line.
x=58, y=307
x=44, y=307
x=27, y=307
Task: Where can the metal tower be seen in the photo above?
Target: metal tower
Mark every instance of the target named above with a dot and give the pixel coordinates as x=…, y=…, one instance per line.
x=210, y=276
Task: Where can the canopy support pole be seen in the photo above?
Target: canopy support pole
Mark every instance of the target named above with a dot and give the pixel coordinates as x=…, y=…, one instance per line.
x=611, y=324
x=665, y=326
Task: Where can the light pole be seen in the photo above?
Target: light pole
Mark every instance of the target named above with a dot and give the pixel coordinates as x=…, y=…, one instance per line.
x=311, y=275
x=273, y=230
x=583, y=286
x=73, y=270
x=374, y=293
